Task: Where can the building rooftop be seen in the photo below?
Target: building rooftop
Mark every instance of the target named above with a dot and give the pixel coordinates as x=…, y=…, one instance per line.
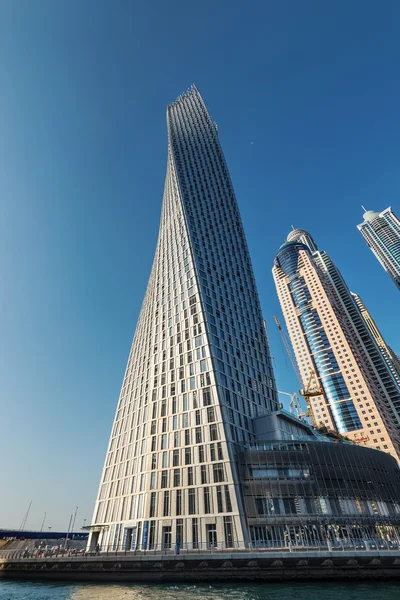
x=370, y=215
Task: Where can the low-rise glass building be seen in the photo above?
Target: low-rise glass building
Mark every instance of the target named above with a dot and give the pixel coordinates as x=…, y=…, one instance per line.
x=312, y=490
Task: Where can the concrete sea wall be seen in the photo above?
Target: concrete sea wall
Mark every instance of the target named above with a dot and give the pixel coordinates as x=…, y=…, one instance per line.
x=235, y=567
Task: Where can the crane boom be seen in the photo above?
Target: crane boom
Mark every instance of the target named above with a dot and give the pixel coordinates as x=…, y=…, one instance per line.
x=288, y=349
x=307, y=392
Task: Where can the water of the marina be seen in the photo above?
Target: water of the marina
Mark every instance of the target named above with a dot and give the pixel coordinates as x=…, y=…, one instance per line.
x=21, y=590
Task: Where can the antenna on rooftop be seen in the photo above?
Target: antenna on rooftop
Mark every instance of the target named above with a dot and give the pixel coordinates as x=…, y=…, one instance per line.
x=363, y=207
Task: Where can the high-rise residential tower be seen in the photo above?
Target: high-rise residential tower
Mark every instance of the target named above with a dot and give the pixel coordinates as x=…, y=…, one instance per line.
x=375, y=368
x=388, y=354
x=199, y=368
x=328, y=339
x=381, y=231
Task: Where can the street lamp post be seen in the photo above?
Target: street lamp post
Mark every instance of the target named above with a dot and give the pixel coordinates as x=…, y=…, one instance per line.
x=69, y=527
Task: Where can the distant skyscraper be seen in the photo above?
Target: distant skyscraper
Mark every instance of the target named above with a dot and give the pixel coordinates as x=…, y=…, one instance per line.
x=381, y=231
x=388, y=354
x=330, y=338
x=199, y=366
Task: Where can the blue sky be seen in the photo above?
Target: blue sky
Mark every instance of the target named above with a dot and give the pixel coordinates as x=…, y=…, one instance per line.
x=306, y=97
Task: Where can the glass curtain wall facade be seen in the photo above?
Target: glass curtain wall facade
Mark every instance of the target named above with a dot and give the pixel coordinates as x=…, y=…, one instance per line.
x=309, y=493
x=381, y=231
x=321, y=338
x=199, y=367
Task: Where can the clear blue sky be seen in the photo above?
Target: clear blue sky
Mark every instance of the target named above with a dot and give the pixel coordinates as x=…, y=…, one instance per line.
x=306, y=96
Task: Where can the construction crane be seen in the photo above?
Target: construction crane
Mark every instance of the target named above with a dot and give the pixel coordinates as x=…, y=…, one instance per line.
x=310, y=392
x=294, y=404
x=312, y=388
x=288, y=349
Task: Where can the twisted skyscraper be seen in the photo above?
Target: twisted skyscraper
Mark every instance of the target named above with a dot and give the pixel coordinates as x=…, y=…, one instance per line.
x=199, y=366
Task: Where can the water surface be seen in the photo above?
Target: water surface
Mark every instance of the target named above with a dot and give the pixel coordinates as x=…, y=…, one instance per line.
x=22, y=590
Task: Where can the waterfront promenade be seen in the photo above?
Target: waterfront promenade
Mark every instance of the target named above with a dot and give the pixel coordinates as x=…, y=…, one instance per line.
x=237, y=566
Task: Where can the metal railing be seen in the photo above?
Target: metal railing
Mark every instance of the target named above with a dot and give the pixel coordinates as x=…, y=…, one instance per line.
x=354, y=545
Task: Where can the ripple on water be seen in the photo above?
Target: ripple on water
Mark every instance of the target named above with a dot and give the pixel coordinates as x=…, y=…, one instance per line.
x=22, y=590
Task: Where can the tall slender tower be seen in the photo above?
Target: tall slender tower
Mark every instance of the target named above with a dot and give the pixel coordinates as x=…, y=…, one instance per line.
x=375, y=368
x=324, y=341
x=388, y=354
x=199, y=367
x=381, y=231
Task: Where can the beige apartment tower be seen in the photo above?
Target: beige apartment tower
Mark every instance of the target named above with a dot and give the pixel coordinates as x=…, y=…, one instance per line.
x=321, y=336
